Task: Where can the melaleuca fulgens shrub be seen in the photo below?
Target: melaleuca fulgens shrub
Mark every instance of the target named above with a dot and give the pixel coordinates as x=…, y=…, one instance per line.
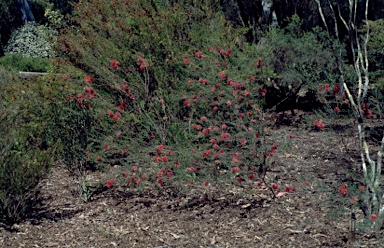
x=140, y=58
x=138, y=35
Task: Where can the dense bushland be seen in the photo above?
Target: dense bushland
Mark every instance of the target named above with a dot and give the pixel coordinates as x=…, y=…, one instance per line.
x=162, y=94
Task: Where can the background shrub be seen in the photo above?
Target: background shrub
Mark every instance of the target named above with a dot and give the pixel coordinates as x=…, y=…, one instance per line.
x=31, y=40
x=21, y=63
x=22, y=163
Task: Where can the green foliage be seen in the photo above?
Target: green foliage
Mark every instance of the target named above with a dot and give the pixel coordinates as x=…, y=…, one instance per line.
x=375, y=51
x=21, y=169
x=31, y=40
x=20, y=63
x=22, y=163
x=300, y=57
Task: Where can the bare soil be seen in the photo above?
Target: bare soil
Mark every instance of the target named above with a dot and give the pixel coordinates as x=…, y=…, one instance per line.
x=316, y=165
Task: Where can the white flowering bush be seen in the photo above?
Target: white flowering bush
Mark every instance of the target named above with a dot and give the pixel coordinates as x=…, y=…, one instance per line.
x=31, y=40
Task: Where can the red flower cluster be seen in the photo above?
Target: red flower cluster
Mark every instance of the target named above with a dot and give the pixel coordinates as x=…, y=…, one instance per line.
x=110, y=182
x=125, y=88
x=116, y=116
x=114, y=63
x=191, y=169
x=224, y=53
x=89, y=93
x=290, y=189
x=142, y=63
x=207, y=153
x=235, y=170
x=343, y=189
x=200, y=54
x=367, y=112
x=262, y=92
x=122, y=105
x=258, y=64
x=273, y=149
x=225, y=136
x=222, y=74
x=89, y=79
x=318, y=124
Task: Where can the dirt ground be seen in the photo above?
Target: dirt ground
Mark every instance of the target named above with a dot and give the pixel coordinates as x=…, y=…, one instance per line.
x=316, y=165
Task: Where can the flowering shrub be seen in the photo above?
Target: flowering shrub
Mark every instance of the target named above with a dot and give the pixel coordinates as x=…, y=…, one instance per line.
x=31, y=40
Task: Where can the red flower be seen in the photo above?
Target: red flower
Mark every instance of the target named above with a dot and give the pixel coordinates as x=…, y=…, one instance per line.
x=122, y=105
x=142, y=63
x=186, y=60
x=290, y=189
x=336, y=89
x=200, y=54
x=106, y=147
x=203, y=119
x=239, y=179
x=88, y=79
x=114, y=63
x=225, y=136
x=343, y=189
x=251, y=176
x=160, y=147
x=138, y=181
x=191, y=169
x=222, y=74
x=373, y=217
x=235, y=169
x=353, y=201
x=187, y=103
x=258, y=64
x=257, y=135
x=110, y=182
x=318, y=124
x=159, y=180
x=206, y=183
x=216, y=147
x=116, y=116
x=251, y=79
x=326, y=87
x=134, y=169
x=262, y=92
x=164, y=159
x=206, y=131
x=336, y=110
x=124, y=175
x=207, y=153
x=110, y=113
x=243, y=142
x=224, y=127
x=275, y=186
x=169, y=174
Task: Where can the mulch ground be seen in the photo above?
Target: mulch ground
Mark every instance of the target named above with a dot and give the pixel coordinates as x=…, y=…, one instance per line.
x=316, y=165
